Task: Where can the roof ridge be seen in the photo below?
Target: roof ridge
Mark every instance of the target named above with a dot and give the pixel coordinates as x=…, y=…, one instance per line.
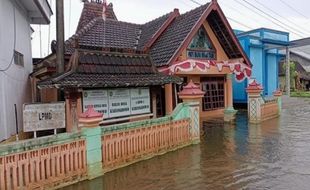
x=195, y=9
x=124, y=22
x=114, y=53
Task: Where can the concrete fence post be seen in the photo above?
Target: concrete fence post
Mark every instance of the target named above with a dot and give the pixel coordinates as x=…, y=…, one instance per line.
x=89, y=121
x=192, y=94
x=194, y=122
x=254, y=102
x=278, y=94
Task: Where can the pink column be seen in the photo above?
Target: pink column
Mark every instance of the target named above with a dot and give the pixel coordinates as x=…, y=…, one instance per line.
x=169, y=98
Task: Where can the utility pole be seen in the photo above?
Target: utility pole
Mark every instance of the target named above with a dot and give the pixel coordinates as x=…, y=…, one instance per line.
x=287, y=77
x=60, y=31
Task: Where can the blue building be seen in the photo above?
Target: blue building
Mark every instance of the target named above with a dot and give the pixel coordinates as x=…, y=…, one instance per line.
x=261, y=46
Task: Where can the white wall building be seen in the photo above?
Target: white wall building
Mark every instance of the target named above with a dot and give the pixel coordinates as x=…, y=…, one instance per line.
x=16, y=57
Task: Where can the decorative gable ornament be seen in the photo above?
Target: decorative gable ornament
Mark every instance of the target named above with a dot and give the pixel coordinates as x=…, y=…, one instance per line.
x=240, y=70
x=201, y=46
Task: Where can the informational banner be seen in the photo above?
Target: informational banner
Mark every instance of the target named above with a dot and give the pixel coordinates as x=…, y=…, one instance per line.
x=118, y=102
x=140, y=100
x=96, y=98
x=38, y=117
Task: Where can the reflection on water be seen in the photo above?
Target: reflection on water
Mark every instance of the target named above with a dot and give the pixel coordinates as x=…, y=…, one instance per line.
x=273, y=155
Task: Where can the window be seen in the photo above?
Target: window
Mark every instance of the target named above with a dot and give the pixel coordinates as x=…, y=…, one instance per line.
x=18, y=58
x=201, y=46
x=214, y=97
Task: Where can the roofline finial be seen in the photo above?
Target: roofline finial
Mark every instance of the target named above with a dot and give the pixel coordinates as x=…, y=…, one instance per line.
x=176, y=10
x=104, y=9
x=214, y=1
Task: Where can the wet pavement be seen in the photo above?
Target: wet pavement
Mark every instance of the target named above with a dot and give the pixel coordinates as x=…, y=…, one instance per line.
x=273, y=155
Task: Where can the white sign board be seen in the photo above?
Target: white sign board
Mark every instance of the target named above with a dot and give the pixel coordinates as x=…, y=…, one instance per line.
x=96, y=98
x=38, y=117
x=140, y=101
x=118, y=102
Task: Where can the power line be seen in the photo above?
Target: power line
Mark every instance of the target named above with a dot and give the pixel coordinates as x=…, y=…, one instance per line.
x=267, y=18
x=239, y=23
x=272, y=17
x=241, y=13
x=196, y=2
x=185, y=3
x=295, y=10
x=284, y=27
x=226, y=17
x=281, y=17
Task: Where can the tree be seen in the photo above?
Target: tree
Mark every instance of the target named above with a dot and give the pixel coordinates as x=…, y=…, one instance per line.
x=293, y=74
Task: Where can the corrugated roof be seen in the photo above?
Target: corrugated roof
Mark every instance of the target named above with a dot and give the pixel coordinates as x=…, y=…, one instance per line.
x=302, y=58
x=300, y=42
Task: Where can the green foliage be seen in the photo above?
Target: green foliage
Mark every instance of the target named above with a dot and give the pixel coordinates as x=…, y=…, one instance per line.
x=305, y=94
x=293, y=73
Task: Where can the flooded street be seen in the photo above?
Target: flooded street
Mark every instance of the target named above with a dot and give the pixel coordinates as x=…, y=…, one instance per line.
x=273, y=155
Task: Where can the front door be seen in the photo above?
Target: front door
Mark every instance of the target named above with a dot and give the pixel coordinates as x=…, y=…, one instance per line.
x=214, y=97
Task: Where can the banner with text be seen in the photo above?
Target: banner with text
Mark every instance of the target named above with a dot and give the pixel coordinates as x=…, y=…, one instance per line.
x=118, y=102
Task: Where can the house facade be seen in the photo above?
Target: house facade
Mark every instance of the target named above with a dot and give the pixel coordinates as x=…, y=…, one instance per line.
x=197, y=46
x=262, y=46
x=16, y=58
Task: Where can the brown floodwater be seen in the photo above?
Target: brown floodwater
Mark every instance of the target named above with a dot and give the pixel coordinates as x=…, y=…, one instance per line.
x=273, y=155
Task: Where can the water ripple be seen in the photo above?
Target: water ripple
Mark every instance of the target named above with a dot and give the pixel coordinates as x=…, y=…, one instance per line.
x=273, y=155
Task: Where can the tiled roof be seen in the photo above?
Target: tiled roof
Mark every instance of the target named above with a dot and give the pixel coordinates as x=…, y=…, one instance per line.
x=111, y=34
x=114, y=63
x=164, y=48
x=97, y=69
x=77, y=80
x=99, y=34
x=93, y=10
x=149, y=29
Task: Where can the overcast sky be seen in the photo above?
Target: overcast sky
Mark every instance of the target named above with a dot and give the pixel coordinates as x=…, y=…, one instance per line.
x=292, y=16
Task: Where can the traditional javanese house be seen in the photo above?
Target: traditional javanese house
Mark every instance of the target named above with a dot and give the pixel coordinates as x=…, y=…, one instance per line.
x=106, y=57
